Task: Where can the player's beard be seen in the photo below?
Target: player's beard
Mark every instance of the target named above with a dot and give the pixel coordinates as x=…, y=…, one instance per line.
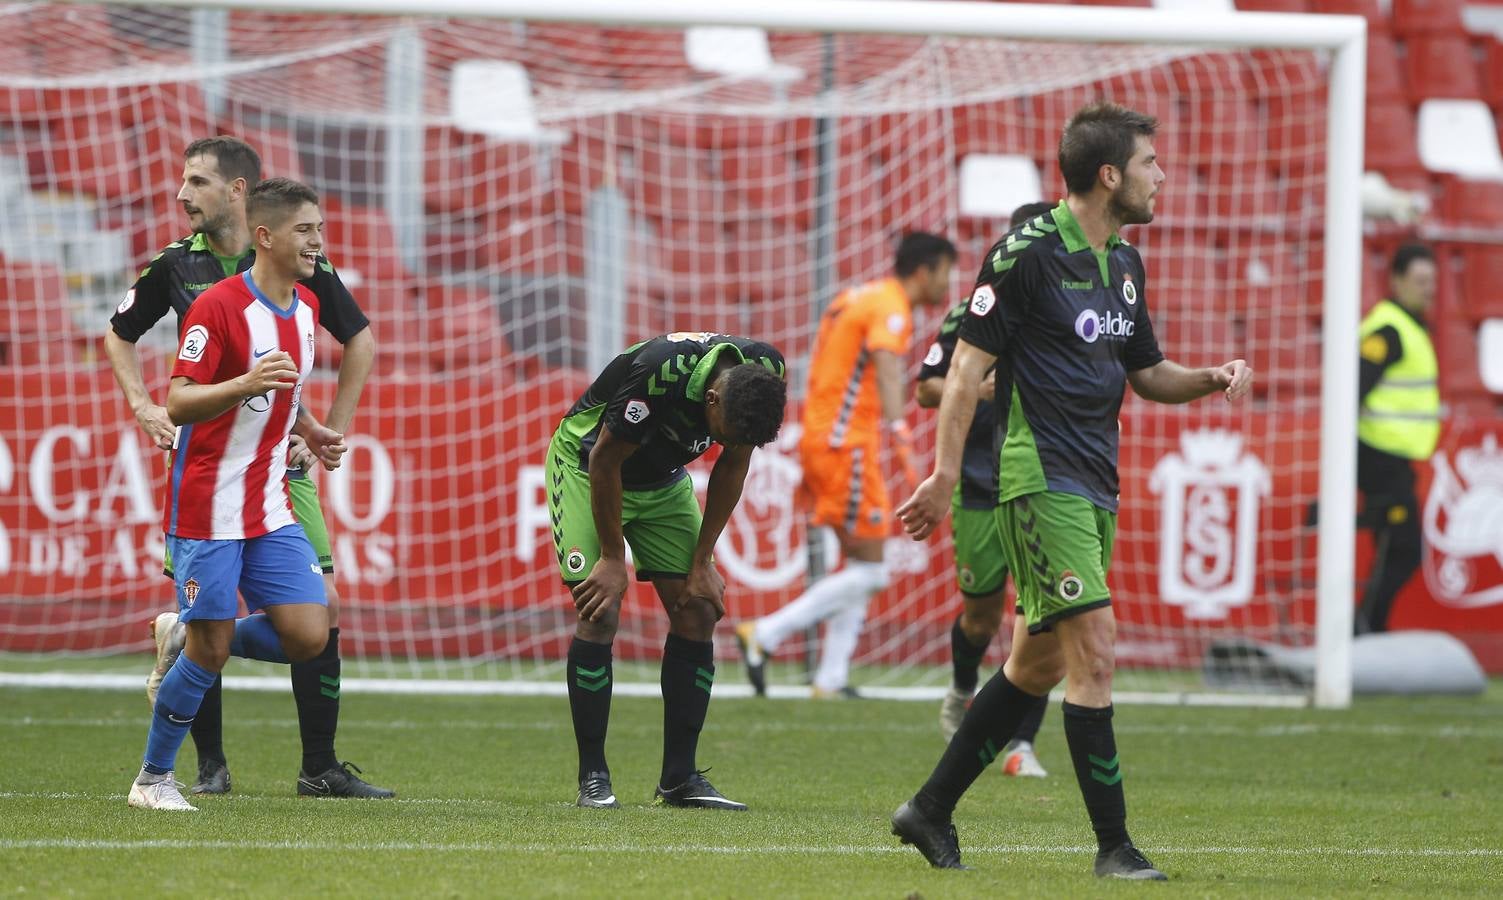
x=1128, y=213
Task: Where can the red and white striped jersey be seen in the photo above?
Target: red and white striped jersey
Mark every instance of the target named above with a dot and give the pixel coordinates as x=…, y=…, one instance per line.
x=227, y=479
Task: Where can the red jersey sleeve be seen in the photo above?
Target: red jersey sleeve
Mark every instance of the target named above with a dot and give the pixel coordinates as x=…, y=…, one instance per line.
x=205, y=336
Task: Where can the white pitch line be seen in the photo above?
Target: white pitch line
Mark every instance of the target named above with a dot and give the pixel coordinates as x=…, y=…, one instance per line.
x=759, y=850
x=1199, y=729
x=557, y=688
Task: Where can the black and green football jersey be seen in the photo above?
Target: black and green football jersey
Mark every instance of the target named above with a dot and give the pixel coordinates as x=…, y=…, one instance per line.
x=978, y=467
x=1066, y=324
x=184, y=269
x=653, y=395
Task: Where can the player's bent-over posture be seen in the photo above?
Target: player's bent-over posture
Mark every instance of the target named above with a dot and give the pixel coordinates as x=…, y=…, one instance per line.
x=247, y=347
x=616, y=476
x=1060, y=307
x=218, y=172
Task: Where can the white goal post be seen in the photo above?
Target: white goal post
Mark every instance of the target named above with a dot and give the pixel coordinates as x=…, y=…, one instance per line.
x=1340, y=38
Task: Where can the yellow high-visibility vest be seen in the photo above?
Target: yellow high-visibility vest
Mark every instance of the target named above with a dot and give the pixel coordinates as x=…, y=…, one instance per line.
x=1402, y=414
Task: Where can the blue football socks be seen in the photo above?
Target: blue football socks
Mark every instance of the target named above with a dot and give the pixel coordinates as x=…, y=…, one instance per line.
x=177, y=703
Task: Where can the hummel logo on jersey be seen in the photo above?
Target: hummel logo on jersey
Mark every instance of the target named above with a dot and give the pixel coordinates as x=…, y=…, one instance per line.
x=1069, y=285
x=983, y=300
x=1090, y=325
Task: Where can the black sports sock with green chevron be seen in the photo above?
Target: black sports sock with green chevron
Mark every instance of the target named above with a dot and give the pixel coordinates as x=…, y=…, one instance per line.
x=966, y=658
x=1093, y=749
x=688, y=675
x=988, y=725
x=315, y=688
x=589, y=678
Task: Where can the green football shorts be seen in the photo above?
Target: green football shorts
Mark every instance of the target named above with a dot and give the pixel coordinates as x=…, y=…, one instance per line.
x=308, y=512
x=980, y=564
x=1059, y=547
x=661, y=525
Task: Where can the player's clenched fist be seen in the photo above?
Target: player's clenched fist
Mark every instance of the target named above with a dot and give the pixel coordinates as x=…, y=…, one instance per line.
x=273, y=372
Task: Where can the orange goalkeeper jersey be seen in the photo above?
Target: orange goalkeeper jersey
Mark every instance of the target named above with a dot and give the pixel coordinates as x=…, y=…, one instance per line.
x=842, y=407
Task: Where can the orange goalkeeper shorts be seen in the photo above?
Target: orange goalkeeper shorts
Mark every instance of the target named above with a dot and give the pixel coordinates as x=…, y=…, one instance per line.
x=846, y=489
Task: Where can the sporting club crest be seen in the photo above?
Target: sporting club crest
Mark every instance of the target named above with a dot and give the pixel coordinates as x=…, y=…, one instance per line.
x=1208, y=522
x=1463, y=527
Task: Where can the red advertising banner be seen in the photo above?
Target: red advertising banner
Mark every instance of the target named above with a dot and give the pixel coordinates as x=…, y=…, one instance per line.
x=440, y=509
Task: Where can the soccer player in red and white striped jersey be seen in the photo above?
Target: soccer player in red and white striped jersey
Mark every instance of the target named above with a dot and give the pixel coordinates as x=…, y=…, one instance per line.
x=247, y=346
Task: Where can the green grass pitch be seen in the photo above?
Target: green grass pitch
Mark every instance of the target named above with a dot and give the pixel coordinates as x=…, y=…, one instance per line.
x=1392, y=797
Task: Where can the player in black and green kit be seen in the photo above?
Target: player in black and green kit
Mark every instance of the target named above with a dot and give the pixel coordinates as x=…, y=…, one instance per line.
x=218, y=172
x=1060, y=308
x=980, y=567
x=616, y=476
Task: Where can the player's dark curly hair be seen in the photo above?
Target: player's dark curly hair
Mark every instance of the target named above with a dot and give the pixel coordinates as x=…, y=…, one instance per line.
x=1102, y=134
x=1029, y=211
x=920, y=248
x=233, y=157
x=754, y=400
x=273, y=200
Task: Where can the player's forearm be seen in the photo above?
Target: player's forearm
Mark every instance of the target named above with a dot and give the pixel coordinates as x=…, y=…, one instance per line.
x=721, y=496
x=890, y=383
x=929, y=392
x=957, y=407
x=354, y=368
x=189, y=402
x=126, y=363
x=605, y=505
x=1170, y=382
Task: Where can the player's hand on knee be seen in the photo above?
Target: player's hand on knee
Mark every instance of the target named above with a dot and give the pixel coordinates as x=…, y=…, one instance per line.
x=601, y=590
x=705, y=584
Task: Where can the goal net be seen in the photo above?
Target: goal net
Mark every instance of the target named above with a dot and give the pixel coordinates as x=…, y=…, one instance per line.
x=513, y=202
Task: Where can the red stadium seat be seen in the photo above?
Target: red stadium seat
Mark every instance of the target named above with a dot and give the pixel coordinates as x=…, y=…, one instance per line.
x=464, y=329
x=1283, y=6
x=763, y=183
x=1372, y=10
x=1187, y=276
x=1225, y=130
x=91, y=152
x=360, y=241
x=1460, y=373
x=1492, y=72
x=1442, y=66
x=1482, y=282
x=771, y=268
x=1385, y=76
x=1390, y=137
x=1412, y=17
x=36, y=327
x=1467, y=202
x=1285, y=354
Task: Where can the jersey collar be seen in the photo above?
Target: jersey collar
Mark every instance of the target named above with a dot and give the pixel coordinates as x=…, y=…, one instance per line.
x=1072, y=235
x=699, y=378
x=281, y=313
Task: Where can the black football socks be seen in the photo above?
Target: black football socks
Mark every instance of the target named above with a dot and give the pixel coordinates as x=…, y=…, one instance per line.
x=1093, y=749
x=688, y=675
x=589, y=680
x=966, y=658
x=208, y=725
x=315, y=688
x=992, y=720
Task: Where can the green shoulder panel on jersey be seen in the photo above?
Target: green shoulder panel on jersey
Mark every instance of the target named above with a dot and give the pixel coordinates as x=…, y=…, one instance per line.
x=954, y=317
x=673, y=368
x=1004, y=254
